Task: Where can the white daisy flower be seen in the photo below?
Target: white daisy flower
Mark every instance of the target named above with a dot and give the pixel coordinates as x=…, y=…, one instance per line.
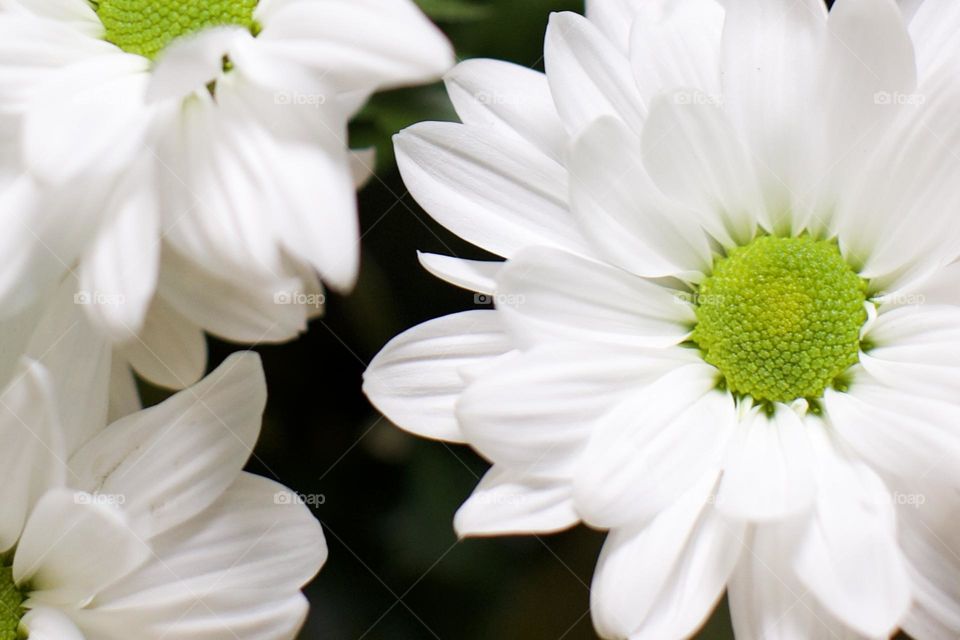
x=726, y=326
x=216, y=127
x=149, y=527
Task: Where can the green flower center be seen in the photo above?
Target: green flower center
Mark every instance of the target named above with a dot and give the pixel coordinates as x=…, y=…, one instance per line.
x=781, y=318
x=11, y=601
x=145, y=27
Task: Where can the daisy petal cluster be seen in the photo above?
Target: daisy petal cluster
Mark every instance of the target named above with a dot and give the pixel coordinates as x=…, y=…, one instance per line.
x=726, y=318
x=188, y=159
x=146, y=526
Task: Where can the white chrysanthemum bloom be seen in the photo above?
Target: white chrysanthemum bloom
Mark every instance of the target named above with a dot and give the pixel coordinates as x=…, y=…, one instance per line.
x=188, y=158
x=149, y=527
x=727, y=326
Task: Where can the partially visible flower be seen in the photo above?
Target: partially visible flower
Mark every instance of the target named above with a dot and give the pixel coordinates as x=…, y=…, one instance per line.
x=149, y=527
x=189, y=158
x=726, y=324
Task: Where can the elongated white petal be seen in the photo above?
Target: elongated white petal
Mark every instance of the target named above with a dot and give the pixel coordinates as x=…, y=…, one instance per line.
x=32, y=447
x=768, y=473
x=257, y=537
x=622, y=211
x=695, y=156
x=73, y=546
x=588, y=75
x=535, y=413
x=547, y=294
x=416, y=378
x=767, y=600
x=933, y=27
x=47, y=623
x=508, y=98
x=175, y=459
x=119, y=270
x=771, y=58
x=371, y=44
x=662, y=580
x=849, y=557
x=476, y=275
x=506, y=502
x=489, y=188
x=170, y=351
x=653, y=447
x=677, y=45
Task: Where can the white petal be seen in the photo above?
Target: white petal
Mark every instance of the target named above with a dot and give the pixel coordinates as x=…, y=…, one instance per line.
x=588, y=75
x=535, y=413
x=916, y=349
x=662, y=580
x=257, y=538
x=78, y=358
x=363, y=163
x=368, y=44
x=771, y=59
x=124, y=394
x=235, y=309
x=653, y=447
x=73, y=546
x=933, y=28
x=510, y=99
x=119, y=270
x=849, y=557
x=614, y=18
x=867, y=63
x=766, y=598
x=547, y=293
x=475, y=275
x=45, y=623
x=173, y=460
x=675, y=45
x=695, y=156
x=506, y=502
x=490, y=189
x=89, y=119
x=895, y=217
x=190, y=63
x=415, y=380
x=768, y=473
x=898, y=432
x=170, y=351
x=622, y=211
x=32, y=450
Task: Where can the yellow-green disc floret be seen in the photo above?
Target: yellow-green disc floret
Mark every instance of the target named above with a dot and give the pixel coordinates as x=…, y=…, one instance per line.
x=11, y=605
x=145, y=27
x=781, y=317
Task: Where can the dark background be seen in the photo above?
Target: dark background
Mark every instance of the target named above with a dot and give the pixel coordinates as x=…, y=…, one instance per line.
x=396, y=570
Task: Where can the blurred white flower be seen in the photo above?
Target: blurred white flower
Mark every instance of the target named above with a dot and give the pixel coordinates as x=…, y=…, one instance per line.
x=728, y=323
x=189, y=159
x=147, y=527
